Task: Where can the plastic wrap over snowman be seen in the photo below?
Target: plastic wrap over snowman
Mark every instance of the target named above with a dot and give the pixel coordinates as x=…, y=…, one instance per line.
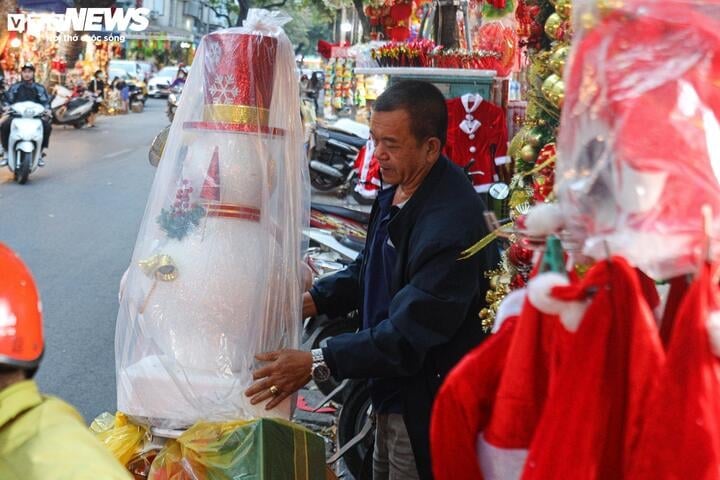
x=215, y=276
x=639, y=143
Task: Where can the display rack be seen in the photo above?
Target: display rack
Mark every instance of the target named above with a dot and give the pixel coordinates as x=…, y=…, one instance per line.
x=452, y=82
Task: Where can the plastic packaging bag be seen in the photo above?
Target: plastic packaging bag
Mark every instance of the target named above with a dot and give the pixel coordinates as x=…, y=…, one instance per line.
x=215, y=275
x=639, y=143
x=121, y=437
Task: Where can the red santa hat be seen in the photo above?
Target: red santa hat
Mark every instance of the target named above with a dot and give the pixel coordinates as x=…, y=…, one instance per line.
x=535, y=354
x=681, y=434
x=463, y=406
x=591, y=419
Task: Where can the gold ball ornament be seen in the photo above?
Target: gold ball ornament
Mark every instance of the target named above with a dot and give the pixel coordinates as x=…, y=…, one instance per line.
x=553, y=26
x=533, y=137
x=557, y=94
x=528, y=153
x=548, y=84
x=564, y=8
x=558, y=58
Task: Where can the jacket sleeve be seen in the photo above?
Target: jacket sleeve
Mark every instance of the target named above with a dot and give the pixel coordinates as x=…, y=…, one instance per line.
x=43, y=96
x=9, y=97
x=424, y=314
x=339, y=293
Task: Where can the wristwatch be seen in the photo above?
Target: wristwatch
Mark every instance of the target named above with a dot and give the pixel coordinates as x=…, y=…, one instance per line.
x=320, y=371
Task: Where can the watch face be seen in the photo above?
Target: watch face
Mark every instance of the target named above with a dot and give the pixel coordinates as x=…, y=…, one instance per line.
x=321, y=373
x=499, y=191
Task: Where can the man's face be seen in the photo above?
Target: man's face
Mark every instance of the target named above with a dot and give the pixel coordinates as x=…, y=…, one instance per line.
x=401, y=156
x=27, y=74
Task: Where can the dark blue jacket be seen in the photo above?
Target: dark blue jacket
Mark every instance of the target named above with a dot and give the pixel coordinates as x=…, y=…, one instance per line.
x=27, y=92
x=433, y=320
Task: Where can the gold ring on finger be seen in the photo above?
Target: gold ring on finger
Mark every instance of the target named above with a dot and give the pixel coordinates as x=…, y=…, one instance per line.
x=274, y=390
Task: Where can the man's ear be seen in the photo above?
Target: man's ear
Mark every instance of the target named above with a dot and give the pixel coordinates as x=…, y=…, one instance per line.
x=434, y=146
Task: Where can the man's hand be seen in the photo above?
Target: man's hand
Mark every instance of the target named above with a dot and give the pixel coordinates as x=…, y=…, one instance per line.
x=288, y=371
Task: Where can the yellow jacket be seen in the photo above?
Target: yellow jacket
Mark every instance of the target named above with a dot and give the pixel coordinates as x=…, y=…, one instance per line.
x=45, y=438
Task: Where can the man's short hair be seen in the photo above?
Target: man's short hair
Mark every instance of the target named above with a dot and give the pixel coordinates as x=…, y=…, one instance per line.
x=424, y=104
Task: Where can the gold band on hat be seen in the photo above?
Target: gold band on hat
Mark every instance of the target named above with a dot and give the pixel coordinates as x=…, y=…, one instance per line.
x=239, y=114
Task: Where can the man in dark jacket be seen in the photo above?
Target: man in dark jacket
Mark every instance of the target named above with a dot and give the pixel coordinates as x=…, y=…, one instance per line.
x=418, y=302
x=27, y=90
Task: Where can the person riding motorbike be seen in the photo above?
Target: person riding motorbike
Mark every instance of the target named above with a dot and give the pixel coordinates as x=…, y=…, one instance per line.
x=27, y=90
x=41, y=437
x=179, y=78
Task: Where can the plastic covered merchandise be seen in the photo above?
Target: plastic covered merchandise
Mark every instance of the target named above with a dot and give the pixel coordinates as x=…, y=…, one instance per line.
x=215, y=276
x=265, y=449
x=122, y=438
x=639, y=144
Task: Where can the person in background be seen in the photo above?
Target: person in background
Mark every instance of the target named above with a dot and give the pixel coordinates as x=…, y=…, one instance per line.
x=41, y=437
x=27, y=90
x=97, y=88
x=180, y=78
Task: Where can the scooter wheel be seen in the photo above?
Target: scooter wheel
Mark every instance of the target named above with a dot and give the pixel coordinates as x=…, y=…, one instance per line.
x=22, y=171
x=351, y=419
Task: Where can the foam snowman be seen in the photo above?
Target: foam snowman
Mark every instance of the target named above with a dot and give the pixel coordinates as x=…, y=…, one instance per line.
x=205, y=306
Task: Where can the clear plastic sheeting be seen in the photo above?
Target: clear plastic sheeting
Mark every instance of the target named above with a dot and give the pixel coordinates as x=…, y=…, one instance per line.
x=215, y=275
x=639, y=144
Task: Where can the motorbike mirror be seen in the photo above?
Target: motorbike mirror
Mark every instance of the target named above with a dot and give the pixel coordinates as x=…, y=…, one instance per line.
x=157, y=146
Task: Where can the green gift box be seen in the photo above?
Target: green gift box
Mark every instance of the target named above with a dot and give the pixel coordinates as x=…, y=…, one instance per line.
x=263, y=449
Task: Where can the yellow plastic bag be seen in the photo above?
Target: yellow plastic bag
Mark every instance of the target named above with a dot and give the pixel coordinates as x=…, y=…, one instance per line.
x=124, y=439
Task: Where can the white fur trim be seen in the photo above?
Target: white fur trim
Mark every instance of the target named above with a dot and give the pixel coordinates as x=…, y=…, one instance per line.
x=500, y=463
x=511, y=306
x=502, y=160
x=572, y=315
x=539, y=289
x=713, y=328
x=544, y=219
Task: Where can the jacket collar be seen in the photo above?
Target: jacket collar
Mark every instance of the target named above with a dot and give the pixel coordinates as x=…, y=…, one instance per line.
x=16, y=399
x=426, y=187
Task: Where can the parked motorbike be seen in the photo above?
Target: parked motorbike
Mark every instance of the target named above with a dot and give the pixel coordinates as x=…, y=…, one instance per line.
x=70, y=109
x=25, y=141
x=172, y=102
x=332, y=158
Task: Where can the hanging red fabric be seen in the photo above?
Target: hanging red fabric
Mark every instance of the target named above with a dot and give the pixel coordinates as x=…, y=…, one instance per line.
x=681, y=434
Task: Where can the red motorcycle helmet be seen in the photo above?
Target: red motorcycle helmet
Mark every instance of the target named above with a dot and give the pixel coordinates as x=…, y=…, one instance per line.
x=21, y=337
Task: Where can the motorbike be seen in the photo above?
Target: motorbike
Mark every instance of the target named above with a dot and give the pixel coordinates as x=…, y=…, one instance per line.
x=172, y=102
x=332, y=158
x=136, y=98
x=25, y=141
x=70, y=109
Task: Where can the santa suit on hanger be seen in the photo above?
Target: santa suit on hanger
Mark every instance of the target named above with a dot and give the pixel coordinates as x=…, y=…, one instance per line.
x=368, y=169
x=477, y=131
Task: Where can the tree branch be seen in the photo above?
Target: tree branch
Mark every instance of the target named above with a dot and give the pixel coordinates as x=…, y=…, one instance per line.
x=218, y=13
x=276, y=5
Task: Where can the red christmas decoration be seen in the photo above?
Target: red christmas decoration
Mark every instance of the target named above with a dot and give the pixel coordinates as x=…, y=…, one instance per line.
x=519, y=256
x=544, y=179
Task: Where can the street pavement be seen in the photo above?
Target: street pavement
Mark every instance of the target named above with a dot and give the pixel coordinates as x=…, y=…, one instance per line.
x=75, y=223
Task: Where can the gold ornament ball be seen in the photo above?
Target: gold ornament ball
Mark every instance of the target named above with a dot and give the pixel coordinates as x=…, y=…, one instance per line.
x=533, y=137
x=564, y=8
x=548, y=84
x=557, y=95
x=528, y=153
x=553, y=25
x=517, y=143
x=558, y=58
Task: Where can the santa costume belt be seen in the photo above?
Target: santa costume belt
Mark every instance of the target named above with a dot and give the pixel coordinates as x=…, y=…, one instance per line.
x=232, y=210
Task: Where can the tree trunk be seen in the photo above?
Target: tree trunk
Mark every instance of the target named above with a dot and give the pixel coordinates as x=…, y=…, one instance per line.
x=360, y=9
x=446, y=31
x=244, y=8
